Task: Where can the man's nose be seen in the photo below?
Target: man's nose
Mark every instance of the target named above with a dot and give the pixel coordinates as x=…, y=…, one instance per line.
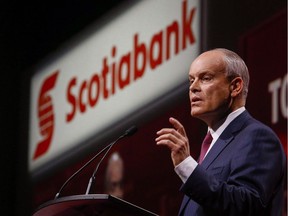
x=194, y=86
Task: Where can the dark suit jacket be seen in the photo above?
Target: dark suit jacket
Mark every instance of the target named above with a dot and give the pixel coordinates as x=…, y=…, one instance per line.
x=243, y=174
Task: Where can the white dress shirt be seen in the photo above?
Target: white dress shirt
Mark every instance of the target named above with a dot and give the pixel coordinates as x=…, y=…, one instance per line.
x=187, y=166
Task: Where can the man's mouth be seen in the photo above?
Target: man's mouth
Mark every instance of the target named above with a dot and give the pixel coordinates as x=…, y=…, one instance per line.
x=195, y=100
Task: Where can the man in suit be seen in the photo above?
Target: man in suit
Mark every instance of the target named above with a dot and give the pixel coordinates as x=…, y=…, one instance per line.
x=243, y=170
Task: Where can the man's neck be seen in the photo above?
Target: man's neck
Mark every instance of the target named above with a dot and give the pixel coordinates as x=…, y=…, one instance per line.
x=230, y=115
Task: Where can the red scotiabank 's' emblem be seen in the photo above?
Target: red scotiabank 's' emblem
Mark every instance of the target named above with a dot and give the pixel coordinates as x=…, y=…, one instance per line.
x=45, y=115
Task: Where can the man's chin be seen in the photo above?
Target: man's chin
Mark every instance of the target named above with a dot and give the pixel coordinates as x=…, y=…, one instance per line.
x=200, y=114
x=195, y=112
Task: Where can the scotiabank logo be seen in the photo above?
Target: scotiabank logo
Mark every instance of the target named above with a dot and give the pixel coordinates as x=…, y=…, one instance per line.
x=117, y=73
x=45, y=115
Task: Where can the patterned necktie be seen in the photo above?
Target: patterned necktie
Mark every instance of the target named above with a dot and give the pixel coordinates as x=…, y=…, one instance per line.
x=205, y=146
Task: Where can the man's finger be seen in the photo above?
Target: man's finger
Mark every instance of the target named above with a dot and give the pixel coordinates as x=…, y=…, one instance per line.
x=178, y=126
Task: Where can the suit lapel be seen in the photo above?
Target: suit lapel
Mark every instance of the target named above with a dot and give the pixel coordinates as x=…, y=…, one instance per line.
x=225, y=138
x=215, y=151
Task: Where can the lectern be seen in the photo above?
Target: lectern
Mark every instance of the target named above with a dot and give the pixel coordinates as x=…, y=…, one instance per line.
x=90, y=205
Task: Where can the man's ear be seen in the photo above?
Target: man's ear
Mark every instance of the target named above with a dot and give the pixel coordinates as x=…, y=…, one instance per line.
x=236, y=86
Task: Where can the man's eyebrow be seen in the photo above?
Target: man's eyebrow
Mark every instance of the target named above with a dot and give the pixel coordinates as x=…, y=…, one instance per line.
x=201, y=73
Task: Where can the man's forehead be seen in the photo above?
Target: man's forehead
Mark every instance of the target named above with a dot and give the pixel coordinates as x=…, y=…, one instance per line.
x=206, y=63
x=210, y=57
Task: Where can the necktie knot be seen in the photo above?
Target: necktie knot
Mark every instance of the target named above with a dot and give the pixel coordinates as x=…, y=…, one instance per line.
x=205, y=146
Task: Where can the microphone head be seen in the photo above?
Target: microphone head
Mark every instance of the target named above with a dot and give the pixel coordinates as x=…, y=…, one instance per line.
x=131, y=131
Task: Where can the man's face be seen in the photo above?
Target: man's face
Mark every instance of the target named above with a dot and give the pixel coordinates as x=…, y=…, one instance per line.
x=209, y=90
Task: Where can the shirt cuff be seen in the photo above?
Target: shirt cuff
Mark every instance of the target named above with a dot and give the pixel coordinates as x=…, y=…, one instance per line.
x=185, y=168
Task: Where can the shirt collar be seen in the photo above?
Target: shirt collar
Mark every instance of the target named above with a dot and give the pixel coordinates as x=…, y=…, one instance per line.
x=216, y=134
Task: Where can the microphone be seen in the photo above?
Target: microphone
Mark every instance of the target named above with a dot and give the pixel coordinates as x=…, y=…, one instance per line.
x=129, y=132
x=132, y=130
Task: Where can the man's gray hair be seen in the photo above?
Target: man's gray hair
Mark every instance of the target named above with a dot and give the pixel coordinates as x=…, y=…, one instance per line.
x=235, y=67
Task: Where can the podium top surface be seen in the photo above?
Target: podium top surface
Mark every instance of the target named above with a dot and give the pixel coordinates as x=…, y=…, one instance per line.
x=91, y=204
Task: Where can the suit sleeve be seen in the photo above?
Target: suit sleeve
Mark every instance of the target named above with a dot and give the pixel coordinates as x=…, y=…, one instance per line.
x=252, y=173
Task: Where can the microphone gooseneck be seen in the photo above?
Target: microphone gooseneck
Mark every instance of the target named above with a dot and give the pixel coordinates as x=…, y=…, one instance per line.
x=92, y=178
x=128, y=132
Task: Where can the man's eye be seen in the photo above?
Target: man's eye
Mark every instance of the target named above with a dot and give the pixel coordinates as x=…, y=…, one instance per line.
x=206, y=78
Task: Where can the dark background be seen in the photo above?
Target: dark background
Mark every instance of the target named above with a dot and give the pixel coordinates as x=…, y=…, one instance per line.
x=29, y=32
x=32, y=30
